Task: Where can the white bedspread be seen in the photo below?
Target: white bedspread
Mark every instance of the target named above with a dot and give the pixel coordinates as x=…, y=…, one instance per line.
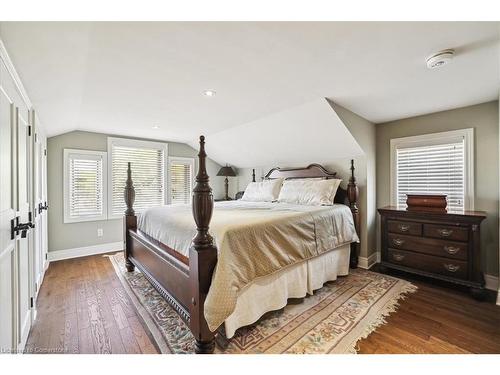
x=253, y=239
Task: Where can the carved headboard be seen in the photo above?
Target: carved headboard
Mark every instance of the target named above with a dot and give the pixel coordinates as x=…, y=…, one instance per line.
x=311, y=171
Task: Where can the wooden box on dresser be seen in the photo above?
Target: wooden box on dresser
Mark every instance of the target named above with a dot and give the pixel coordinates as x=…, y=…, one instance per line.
x=440, y=245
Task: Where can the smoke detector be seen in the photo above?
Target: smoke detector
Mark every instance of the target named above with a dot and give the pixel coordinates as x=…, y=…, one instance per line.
x=439, y=59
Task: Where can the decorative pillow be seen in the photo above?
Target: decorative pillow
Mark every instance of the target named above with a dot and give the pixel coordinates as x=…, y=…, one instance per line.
x=309, y=192
x=265, y=191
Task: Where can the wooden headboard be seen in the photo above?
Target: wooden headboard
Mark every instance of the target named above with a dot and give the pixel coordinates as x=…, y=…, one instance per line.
x=311, y=171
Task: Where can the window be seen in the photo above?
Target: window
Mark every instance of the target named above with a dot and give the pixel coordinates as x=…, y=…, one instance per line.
x=84, y=185
x=181, y=172
x=148, y=173
x=439, y=163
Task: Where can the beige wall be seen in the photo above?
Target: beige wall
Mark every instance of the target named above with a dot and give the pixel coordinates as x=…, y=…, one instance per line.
x=67, y=236
x=484, y=119
x=364, y=133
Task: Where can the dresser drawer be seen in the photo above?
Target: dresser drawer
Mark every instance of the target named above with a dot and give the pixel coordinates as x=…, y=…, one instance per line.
x=431, y=246
x=446, y=232
x=443, y=266
x=405, y=227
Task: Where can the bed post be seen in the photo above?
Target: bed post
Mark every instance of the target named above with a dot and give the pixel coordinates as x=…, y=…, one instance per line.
x=202, y=257
x=130, y=221
x=253, y=175
x=353, y=196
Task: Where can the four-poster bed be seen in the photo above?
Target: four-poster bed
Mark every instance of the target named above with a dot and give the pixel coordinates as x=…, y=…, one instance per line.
x=184, y=279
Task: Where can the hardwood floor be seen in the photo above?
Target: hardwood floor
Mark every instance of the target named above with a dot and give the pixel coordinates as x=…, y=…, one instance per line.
x=83, y=308
x=437, y=319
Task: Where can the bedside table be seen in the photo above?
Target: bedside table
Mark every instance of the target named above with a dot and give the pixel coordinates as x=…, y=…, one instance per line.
x=439, y=245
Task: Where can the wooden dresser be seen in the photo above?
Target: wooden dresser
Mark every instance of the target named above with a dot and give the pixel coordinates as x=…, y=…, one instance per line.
x=443, y=246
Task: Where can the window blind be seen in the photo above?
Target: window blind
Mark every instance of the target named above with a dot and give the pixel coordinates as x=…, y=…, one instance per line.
x=86, y=192
x=434, y=169
x=147, y=166
x=181, y=181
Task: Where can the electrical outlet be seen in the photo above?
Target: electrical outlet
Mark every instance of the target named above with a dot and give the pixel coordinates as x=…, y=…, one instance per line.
x=99, y=232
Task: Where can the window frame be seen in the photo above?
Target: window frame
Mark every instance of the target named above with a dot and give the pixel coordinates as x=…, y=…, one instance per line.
x=435, y=139
x=192, y=162
x=67, y=219
x=127, y=142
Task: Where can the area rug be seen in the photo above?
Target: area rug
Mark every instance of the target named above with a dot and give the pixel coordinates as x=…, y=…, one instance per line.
x=332, y=320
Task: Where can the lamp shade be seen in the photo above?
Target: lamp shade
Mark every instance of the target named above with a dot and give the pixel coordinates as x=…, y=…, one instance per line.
x=227, y=171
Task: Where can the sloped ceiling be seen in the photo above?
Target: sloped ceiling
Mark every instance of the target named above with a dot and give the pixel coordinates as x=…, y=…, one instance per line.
x=309, y=133
x=125, y=77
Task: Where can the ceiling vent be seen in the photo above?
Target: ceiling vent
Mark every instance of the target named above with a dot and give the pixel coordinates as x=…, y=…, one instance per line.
x=439, y=59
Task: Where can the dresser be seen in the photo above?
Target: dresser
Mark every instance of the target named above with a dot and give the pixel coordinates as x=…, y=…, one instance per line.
x=444, y=246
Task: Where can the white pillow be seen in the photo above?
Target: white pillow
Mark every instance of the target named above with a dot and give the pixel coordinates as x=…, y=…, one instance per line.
x=265, y=191
x=309, y=192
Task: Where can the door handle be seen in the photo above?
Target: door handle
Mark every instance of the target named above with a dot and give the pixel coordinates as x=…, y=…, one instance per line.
x=42, y=207
x=21, y=227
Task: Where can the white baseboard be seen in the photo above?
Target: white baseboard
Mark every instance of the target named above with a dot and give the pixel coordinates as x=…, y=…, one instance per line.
x=491, y=282
x=368, y=263
x=84, y=251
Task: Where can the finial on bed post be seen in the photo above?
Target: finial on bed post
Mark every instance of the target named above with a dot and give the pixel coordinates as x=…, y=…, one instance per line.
x=130, y=221
x=253, y=175
x=203, y=202
x=202, y=257
x=353, y=196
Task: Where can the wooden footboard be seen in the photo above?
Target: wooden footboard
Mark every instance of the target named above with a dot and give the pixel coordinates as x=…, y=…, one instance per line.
x=183, y=282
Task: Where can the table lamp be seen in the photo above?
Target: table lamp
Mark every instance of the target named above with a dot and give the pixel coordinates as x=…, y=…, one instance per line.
x=227, y=171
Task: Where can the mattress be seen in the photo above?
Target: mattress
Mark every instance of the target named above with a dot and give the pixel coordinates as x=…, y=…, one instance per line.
x=253, y=239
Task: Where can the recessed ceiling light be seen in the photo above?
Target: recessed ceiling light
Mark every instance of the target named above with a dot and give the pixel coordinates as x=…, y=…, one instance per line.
x=209, y=93
x=440, y=58
x=156, y=127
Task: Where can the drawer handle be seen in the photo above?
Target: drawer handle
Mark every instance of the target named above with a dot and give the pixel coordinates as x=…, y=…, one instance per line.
x=398, y=241
x=451, y=249
x=445, y=232
x=398, y=257
x=404, y=227
x=451, y=267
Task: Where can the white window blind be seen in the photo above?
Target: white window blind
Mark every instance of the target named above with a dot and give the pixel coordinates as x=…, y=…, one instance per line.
x=148, y=174
x=84, y=185
x=432, y=169
x=181, y=180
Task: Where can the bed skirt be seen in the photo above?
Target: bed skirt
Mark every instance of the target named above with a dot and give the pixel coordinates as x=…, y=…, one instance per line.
x=271, y=292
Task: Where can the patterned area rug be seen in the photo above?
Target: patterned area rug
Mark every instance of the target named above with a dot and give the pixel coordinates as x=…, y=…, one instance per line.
x=332, y=320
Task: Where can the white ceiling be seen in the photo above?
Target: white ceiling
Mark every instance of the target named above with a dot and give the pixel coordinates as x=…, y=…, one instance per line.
x=314, y=134
x=125, y=77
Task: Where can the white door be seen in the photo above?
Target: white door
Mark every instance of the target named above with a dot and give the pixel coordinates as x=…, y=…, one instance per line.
x=16, y=200
x=25, y=236
x=40, y=207
x=8, y=204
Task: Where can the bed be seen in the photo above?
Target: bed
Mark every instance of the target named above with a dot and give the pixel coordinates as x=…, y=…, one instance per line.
x=240, y=259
